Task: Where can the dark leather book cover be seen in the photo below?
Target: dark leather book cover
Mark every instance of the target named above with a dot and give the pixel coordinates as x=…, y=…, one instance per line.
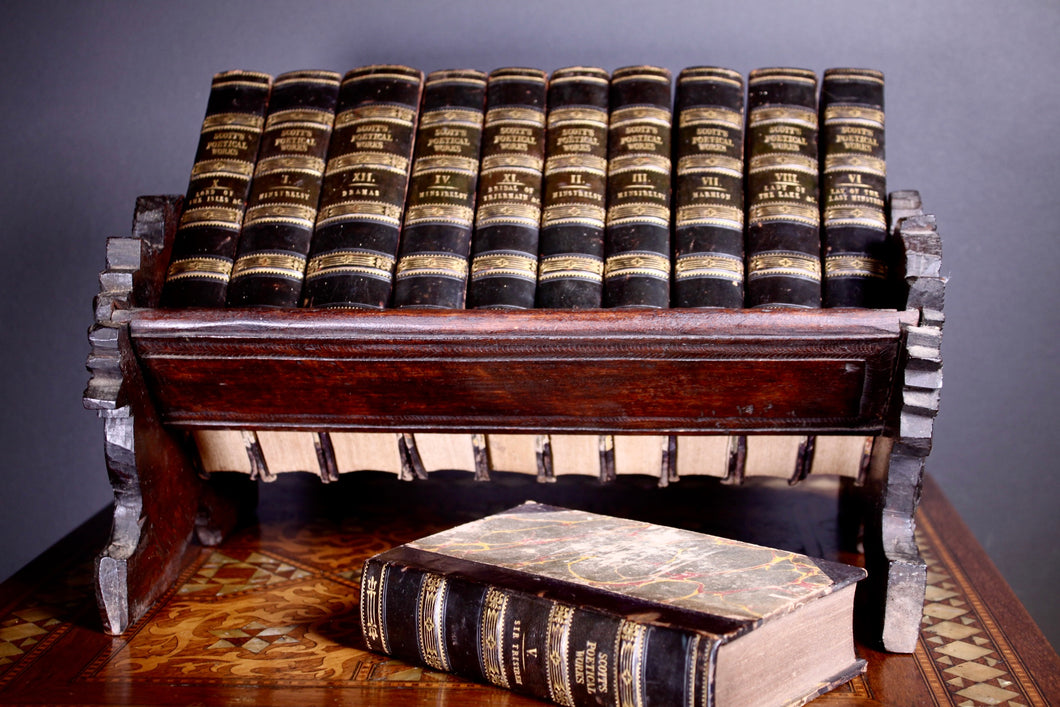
x=355, y=241
x=783, y=213
x=708, y=189
x=853, y=188
x=574, y=198
x=508, y=211
x=205, y=244
x=637, y=238
x=282, y=207
x=432, y=267
x=585, y=609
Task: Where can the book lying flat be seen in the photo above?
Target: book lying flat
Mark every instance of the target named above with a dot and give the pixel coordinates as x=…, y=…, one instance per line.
x=585, y=609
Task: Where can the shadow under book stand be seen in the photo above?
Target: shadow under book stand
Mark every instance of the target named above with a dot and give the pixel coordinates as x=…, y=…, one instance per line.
x=159, y=374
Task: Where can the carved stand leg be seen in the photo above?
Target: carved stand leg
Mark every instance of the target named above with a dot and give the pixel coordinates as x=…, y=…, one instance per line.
x=156, y=494
x=897, y=573
x=157, y=491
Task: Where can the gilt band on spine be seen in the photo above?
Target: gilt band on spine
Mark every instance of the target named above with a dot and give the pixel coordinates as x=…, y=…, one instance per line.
x=205, y=245
x=355, y=243
x=491, y=637
x=430, y=620
x=282, y=207
x=571, y=243
x=783, y=214
x=854, y=188
x=436, y=239
x=508, y=213
x=637, y=238
x=560, y=619
x=708, y=189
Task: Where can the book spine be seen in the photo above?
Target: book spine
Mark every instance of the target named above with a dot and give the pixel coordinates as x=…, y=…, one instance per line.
x=355, y=241
x=708, y=189
x=637, y=238
x=574, y=207
x=508, y=212
x=432, y=267
x=783, y=213
x=205, y=244
x=854, y=188
x=531, y=644
x=278, y=225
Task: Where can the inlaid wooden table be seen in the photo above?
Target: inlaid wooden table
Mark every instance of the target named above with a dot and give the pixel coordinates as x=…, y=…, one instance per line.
x=270, y=616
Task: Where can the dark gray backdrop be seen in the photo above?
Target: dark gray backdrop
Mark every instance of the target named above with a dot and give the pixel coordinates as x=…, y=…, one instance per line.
x=102, y=101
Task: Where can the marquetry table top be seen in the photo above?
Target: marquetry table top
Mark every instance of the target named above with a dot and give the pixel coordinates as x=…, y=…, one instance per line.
x=270, y=616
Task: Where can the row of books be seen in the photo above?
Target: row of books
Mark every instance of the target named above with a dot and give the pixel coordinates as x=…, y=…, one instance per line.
x=583, y=189
x=265, y=454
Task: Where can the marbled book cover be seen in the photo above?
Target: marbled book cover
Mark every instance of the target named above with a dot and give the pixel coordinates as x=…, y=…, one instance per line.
x=678, y=568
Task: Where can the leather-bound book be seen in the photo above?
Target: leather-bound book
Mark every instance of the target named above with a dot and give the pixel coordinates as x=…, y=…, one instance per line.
x=355, y=241
x=508, y=211
x=783, y=213
x=432, y=267
x=584, y=609
x=637, y=239
x=282, y=208
x=574, y=198
x=708, y=189
x=205, y=244
x=853, y=188
x=637, y=244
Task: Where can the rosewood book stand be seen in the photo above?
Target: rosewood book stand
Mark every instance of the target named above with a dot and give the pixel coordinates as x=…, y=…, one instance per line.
x=159, y=375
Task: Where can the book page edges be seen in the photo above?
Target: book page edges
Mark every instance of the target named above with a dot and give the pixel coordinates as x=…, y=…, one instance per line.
x=813, y=649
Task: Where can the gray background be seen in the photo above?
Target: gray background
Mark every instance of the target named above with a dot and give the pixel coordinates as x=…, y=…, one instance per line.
x=103, y=102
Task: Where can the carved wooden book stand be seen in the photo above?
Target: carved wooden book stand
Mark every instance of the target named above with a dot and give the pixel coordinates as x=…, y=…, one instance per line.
x=158, y=374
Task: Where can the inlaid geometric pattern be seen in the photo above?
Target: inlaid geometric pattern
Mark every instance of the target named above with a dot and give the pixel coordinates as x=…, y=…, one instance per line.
x=300, y=632
x=26, y=626
x=254, y=637
x=237, y=572
x=960, y=648
x=22, y=630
